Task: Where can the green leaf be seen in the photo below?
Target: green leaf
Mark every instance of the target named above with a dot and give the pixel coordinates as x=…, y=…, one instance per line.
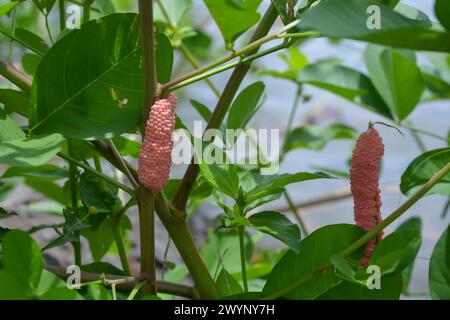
x=345, y=82
x=278, y=226
x=16, y=101
x=315, y=250
x=340, y=264
x=423, y=168
x=5, y=8
x=398, y=80
x=12, y=288
x=442, y=10
x=9, y=131
x=390, y=290
x=395, y=30
x=95, y=90
x=313, y=137
x=32, y=151
x=22, y=258
x=98, y=194
x=99, y=292
x=245, y=105
x=231, y=19
x=439, y=271
x=102, y=267
x=32, y=40
x=397, y=251
x=175, y=9
x=30, y=63
x=227, y=285
x=49, y=189
x=222, y=177
x=203, y=110
x=47, y=172
x=53, y=288
x=416, y=224
x=45, y=6
x=267, y=185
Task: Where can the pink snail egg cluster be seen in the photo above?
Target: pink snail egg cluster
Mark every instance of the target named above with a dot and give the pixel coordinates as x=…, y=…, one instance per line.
x=155, y=158
x=364, y=170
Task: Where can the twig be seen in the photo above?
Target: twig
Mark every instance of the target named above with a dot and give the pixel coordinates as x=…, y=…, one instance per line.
x=15, y=76
x=124, y=167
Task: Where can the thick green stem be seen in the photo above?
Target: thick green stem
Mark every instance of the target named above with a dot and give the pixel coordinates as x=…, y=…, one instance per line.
x=222, y=106
x=369, y=235
x=241, y=231
x=145, y=196
x=62, y=14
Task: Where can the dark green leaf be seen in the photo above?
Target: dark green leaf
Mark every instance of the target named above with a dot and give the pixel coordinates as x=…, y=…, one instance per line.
x=50, y=172
x=315, y=250
x=313, y=137
x=347, y=83
x=203, y=110
x=16, y=101
x=95, y=90
x=423, y=168
x=395, y=29
x=32, y=40
x=283, y=7
x=98, y=194
x=231, y=19
x=32, y=151
x=245, y=105
x=439, y=271
x=397, y=79
x=30, y=63
x=102, y=267
x=442, y=10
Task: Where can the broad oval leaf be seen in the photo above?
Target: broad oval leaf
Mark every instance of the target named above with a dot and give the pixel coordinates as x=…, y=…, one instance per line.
x=33, y=151
x=90, y=83
x=22, y=258
x=245, y=105
x=315, y=250
x=423, y=168
x=398, y=80
x=439, y=271
x=222, y=177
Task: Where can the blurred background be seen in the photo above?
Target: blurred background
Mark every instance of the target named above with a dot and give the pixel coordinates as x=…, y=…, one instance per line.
x=321, y=109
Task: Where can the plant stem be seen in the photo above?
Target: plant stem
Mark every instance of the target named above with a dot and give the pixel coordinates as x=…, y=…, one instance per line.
x=62, y=14
x=182, y=194
x=118, y=236
x=298, y=95
x=296, y=213
x=369, y=235
x=122, y=164
x=252, y=47
x=99, y=174
x=145, y=196
x=13, y=29
x=47, y=26
x=25, y=45
x=241, y=231
x=87, y=10
x=73, y=173
x=135, y=290
x=425, y=132
x=15, y=76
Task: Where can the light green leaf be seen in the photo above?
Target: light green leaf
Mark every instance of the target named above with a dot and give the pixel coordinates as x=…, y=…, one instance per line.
x=9, y=131
x=222, y=177
x=422, y=169
x=32, y=151
x=47, y=172
x=227, y=285
x=127, y=147
x=233, y=20
x=398, y=80
x=5, y=8
x=175, y=9
x=439, y=271
x=53, y=288
x=22, y=258
x=313, y=137
x=245, y=106
x=203, y=110
x=95, y=90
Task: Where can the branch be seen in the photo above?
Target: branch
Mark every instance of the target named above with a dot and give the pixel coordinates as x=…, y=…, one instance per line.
x=369, y=235
x=129, y=282
x=182, y=194
x=144, y=196
x=15, y=76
